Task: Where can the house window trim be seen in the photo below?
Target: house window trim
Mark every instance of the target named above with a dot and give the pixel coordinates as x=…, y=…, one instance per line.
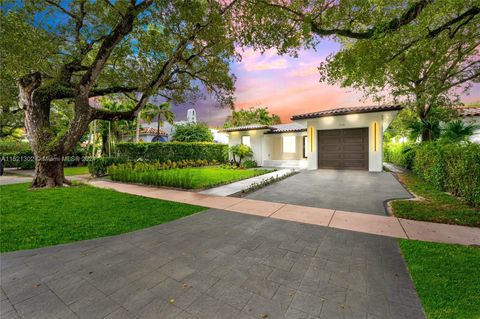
x=294, y=144
x=305, y=145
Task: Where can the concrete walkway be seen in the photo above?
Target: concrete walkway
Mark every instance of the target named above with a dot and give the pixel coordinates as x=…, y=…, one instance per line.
x=239, y=186
x=364, y=223
x=213, y=265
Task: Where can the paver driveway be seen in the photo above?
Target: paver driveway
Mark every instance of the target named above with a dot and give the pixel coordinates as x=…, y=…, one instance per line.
x=214, y=264
x=347, y=190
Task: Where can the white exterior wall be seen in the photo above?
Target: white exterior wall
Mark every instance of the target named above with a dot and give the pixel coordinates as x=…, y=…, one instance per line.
x=256, y=142
x=375, y=158
x=287, y=163
x=475, y=138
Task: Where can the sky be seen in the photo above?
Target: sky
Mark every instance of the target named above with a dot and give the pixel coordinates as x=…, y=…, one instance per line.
x=286, y=85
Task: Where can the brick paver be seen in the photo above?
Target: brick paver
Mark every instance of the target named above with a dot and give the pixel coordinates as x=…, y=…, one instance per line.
x=214, y=264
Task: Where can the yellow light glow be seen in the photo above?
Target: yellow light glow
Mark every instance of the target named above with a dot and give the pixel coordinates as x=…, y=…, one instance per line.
x=310, y=138
x=328, y=119
x=375, y=136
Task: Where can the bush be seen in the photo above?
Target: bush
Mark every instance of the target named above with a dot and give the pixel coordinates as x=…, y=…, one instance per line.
x=249, y=164
x=173, y=151
x=454, y=168
x=13, y=146
x=9, y=159
x=26, y=160
x=192, y=132
x=401, y=154
x=240, y=152
x=142, y=173
x=98, y=166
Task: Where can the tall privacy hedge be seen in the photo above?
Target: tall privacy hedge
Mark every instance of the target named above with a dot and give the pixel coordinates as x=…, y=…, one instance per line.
x=173, y=151
x=401, y=154
x=454, y=168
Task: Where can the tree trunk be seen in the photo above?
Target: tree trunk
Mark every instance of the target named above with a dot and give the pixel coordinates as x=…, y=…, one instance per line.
x=48, y=156
x=426, y=135
x=137, y=132
x=49, y=173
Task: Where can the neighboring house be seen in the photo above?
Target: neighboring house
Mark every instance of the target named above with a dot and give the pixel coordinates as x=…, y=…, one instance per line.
x=168, y=129
x=148, y=134
x=342, y=138
x=471, y=115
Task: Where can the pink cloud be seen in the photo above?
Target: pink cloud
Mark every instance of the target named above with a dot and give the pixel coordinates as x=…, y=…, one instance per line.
x=256, y=61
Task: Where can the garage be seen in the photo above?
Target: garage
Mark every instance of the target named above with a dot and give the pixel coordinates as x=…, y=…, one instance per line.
x=343, y=148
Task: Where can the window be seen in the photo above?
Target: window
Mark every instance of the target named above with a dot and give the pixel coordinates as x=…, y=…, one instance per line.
x=289, y=144
x=305, y=144
x=246, y=140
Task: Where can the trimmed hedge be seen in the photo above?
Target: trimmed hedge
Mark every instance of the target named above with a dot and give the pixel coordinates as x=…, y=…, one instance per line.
x=401, y=154
x=26, y=159
x=13, y=146
x=173, y=151
x=454, y=168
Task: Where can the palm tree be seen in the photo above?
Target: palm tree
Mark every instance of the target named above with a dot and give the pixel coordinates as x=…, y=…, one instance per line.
x=151, y=111
x=458, y=131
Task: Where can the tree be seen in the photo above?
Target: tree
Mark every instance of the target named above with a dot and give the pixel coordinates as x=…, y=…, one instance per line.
x=423, y=70
x=254, y=115
x=80, y=49
x=240, y=152
x=289, y=25
x=151, y=111
x=192, y=132
x=457, y=131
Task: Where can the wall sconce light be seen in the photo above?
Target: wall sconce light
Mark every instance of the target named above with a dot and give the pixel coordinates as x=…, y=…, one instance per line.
x=310, y=138
x=375, y=136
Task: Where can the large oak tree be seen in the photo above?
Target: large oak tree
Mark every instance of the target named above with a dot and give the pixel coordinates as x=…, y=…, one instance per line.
x=421, y=53
x=78, y=49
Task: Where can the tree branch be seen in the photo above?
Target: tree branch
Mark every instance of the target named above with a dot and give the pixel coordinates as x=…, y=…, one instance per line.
x=469, y=14
x=123, y=28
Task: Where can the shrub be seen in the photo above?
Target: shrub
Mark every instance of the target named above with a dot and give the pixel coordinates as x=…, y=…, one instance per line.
x=192, y=132
x=9, y=159
x=240, y=152
x=171, y=178
x=26, y=160
x=401, y=154
x=173, y=151
x=249, y=164
x=454, y=168
x=13, y=146
x=98, y=166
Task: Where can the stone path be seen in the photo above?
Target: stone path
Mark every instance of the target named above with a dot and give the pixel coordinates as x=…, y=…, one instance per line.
x=365, y=223
x=213, y=265
x=239, y=186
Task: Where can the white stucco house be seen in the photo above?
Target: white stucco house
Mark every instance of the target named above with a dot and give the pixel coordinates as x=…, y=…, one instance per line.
x=471, y=115
x=342, y=138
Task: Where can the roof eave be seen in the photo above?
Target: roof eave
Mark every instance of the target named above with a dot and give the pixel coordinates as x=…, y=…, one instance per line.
x=312, y=115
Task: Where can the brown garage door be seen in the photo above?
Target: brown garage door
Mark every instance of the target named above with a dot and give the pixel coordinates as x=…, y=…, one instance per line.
x=343, y=149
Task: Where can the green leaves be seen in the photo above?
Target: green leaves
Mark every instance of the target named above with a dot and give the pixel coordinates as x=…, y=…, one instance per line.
x=253, y=115
x=192, y=132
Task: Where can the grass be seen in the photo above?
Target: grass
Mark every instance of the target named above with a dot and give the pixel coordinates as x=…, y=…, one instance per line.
x=80, y=170
x=446, y=278
x=45, y=217
x=435, y=206
x=188, y=178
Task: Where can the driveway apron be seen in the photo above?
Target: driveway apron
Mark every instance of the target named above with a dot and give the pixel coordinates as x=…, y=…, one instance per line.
x=214, y=264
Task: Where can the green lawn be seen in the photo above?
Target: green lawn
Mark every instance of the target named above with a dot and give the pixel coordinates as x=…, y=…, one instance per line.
x=45, y=217
x=188, y=178
x=436, y=206
x=80, y=170
x=446, y=278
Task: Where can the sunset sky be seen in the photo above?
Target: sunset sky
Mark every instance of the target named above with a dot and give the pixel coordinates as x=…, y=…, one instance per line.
x=285, y=85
